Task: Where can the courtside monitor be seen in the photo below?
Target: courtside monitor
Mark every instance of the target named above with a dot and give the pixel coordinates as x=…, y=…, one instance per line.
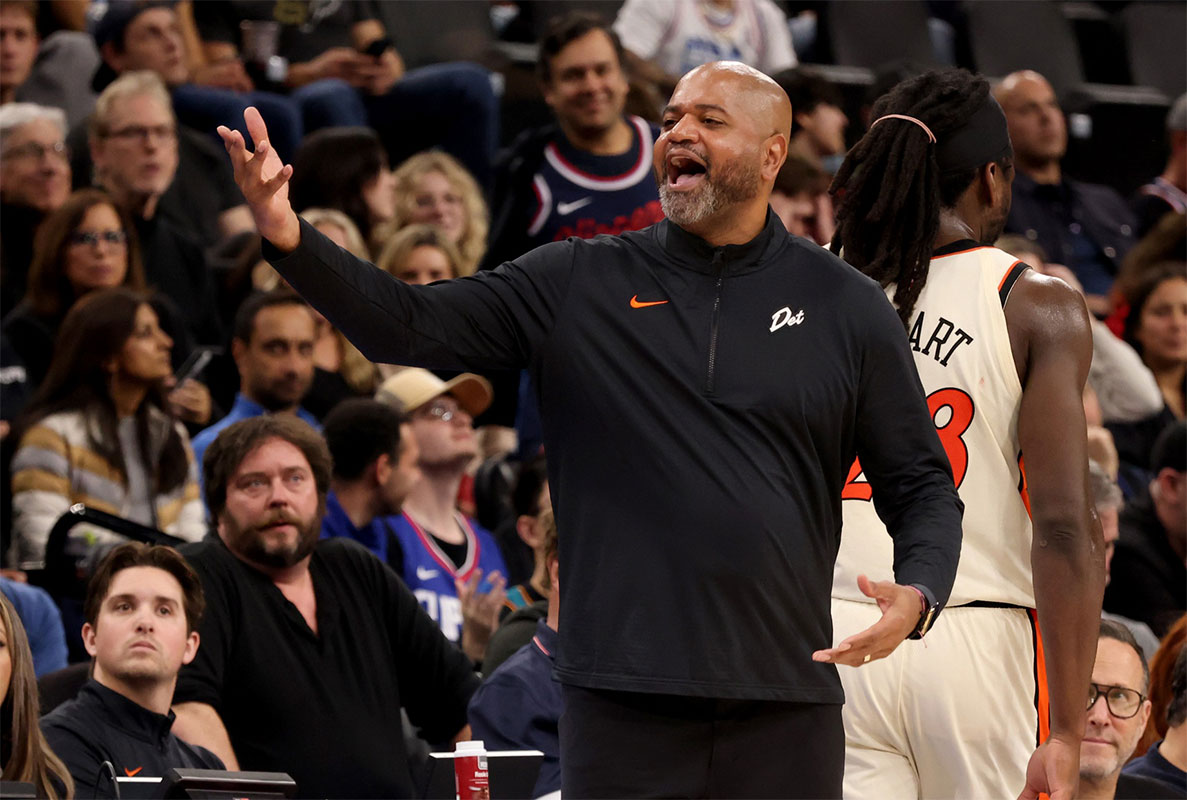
x=218, y=784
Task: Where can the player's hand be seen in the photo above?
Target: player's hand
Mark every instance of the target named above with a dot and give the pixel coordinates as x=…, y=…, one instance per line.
x=263, y=180
x=1054, y=768
x=900, y=608
x=480, y=611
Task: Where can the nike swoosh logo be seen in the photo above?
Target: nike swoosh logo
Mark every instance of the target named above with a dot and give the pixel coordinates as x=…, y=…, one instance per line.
x=424, y=574
x=569, y=208
x=132, y=773
x=637, y=303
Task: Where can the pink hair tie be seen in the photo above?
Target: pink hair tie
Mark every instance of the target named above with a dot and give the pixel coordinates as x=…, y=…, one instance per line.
x=931, y=136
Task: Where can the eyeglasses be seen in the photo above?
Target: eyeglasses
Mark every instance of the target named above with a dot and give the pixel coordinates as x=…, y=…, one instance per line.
x=36, y=151
x=93, y=238
x=1123, y=703
x=141, y=133
x=441, y=411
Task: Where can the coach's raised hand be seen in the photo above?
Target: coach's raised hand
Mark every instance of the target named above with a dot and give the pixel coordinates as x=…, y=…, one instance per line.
x=263, y=179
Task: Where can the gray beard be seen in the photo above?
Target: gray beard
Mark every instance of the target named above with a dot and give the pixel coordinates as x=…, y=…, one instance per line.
x=735, y=183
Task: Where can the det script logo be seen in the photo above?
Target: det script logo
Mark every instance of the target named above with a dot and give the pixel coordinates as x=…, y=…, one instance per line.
x=785, y=318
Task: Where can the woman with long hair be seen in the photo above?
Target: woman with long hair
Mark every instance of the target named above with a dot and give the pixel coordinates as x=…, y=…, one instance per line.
x=433, y=187
x=85, y=245
x=1156, y=327
x=24, y=754
x=98, y=432
x=419, y=254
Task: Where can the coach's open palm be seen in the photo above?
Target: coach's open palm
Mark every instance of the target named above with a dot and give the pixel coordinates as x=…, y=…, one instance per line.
x=900, y=613
x=263, y=179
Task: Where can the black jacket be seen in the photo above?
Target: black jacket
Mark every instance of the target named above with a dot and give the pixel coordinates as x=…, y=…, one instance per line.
x=102, y=725
x=701, y=409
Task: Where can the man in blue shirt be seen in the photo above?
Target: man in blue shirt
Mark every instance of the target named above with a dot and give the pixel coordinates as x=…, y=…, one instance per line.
x=273, y=350
x=375, y=465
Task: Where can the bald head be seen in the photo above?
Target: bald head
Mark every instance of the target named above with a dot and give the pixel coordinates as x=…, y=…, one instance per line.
x=1037, y=128
x=761, y=97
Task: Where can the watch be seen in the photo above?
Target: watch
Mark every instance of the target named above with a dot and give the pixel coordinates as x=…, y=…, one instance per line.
x=927, y=616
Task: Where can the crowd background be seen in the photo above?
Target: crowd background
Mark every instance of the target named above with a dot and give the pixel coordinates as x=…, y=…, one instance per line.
x=421, y=133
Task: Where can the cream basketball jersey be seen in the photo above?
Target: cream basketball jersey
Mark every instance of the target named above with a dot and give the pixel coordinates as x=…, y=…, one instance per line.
x=962, y=351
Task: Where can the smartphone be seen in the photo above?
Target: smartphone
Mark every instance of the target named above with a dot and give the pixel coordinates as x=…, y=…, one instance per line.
x=194, y=365
x=377, y=48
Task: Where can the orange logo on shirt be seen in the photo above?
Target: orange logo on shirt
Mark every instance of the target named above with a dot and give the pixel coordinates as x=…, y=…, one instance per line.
x=637, y=303
x=132, y=773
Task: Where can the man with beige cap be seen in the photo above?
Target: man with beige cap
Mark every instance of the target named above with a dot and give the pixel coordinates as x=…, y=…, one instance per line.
x=451, y=563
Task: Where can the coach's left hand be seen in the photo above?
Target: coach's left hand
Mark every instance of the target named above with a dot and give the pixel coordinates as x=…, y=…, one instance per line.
x=900, y=606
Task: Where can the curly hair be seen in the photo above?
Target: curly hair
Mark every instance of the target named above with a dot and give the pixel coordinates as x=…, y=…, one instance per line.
x=472, y=242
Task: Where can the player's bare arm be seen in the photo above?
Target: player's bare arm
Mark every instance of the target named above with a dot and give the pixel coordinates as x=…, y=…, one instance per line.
x=1052, y=344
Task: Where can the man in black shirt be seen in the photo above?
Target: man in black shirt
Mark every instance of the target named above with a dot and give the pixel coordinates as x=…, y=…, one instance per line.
x=143, y=606
x=704, y=384
x=309, y=648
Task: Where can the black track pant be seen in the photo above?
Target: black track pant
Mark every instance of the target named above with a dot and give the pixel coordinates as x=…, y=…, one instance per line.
x=622, y=744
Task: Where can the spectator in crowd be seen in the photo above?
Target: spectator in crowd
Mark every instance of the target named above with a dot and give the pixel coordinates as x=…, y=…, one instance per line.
x=309, y=649
x=133, y=35
x=1161, y=677
x=519, y=537
x=24, y=755
x=1156, y=327
x=272, y=346
x=345, y=169
x=34, y=182
x=97, y=431
x=801, y=200
x=1117, y=713
x=143, y=606
x=18, y=46
x=433, y=187
x=1167, y=193
x=1108, y=502
x=518, y=706
x=202, y=199
x=817, y=122
x=90, y=244
x=1087, y=227
x=341, y=67
x=45, y=52
x=420, y=254
x=666, y=40
x=87, y=244
x=450, y=562
x=340, y=371
x=1124, y=386
x=42, y=622
x=1149, y=581
x=590, y=172
x=533, y=501
x=133, y=142
x=1166, y=760
x=376, y=464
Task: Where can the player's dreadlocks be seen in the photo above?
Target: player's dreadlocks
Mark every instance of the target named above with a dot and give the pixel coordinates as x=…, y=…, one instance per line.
x=890, y=188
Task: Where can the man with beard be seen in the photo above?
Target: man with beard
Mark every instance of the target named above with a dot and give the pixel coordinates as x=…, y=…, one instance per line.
x=309, y=649
x=1003, y=354
x=272, y=346
x=143, y=607
x=704, y=384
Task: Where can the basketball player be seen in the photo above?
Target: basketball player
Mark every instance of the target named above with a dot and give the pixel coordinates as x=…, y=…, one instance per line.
x=1002, y=353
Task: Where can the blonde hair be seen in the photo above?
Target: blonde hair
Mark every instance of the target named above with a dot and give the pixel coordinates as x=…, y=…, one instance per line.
x=472, y=244
x=130, y=84
x=31, y=760
x=332, y=216
x=401, y=244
